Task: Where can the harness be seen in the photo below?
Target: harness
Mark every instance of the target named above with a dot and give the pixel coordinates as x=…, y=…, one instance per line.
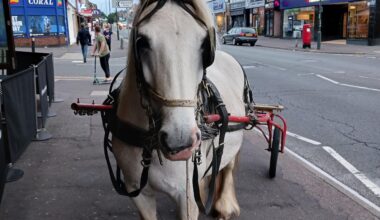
x=208, y=101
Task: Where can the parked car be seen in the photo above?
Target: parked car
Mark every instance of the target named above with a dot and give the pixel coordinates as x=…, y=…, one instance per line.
x=240, y=35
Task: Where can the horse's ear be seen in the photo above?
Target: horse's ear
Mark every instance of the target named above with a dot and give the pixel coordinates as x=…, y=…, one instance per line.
x=209, y=47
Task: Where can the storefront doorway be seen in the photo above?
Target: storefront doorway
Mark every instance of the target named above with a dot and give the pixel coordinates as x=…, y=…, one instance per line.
x=334, y=22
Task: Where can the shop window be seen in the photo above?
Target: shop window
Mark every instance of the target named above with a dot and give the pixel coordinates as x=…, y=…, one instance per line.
x=294, y=19
x=3, y=36
x=42, y=25
x=358, y=18
x=61, y=25
x=18, y=26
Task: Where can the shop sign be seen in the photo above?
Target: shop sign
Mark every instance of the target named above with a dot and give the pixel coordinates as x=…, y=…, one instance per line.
x=96, y=13
x=254, y=3
x=86, y=12
x=237, y=12
x=218, y=6
x=286, y=4
x=237, y=5
x=41, y=2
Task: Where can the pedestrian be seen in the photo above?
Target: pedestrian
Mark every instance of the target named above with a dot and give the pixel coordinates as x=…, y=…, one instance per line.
x=101, y=49
x=107, y=34
x=84, y=38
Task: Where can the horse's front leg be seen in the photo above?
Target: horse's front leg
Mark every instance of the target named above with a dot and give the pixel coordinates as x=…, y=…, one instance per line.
x=187, y=208
x=146, y=204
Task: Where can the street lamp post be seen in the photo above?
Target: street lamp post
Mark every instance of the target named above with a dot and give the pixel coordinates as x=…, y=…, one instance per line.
x=117, y=25
x=319, y=26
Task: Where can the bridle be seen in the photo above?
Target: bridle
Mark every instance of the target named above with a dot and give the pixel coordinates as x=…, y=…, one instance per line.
x=146, y=91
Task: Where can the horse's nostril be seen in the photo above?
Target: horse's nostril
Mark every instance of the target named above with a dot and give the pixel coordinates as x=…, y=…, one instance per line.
x=163, y=137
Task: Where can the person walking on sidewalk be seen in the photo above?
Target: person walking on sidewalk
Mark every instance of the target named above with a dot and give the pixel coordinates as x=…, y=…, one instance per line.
x=84, y=38
x=107, y=34
x=101, y=49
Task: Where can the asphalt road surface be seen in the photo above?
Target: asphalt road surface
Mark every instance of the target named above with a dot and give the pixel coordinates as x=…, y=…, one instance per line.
x=332, y=108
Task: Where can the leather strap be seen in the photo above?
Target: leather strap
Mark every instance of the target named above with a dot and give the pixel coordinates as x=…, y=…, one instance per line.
x=217, y=152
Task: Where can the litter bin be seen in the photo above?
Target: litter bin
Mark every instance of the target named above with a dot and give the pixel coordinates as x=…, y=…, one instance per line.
x=306, y=36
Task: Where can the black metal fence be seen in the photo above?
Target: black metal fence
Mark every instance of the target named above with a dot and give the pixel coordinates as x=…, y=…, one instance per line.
x=25, y=98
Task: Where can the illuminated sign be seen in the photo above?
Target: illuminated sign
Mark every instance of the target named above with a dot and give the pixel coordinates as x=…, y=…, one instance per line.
x=41, y=2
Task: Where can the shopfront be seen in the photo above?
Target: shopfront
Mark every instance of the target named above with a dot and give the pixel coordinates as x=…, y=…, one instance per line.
x=358, y=21
x=219, y=11
x=43, y=20
x=354, y=21
x=237, y=12
x=272, y=18
x=255, y=14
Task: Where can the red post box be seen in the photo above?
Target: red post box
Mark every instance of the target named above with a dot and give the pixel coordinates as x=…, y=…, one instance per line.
x=306, y=36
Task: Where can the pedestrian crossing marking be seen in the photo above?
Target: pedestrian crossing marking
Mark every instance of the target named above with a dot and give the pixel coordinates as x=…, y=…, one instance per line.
x=99, y=93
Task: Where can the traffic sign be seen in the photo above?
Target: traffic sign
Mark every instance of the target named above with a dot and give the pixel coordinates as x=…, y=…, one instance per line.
x=125, y=4
x=122, y=3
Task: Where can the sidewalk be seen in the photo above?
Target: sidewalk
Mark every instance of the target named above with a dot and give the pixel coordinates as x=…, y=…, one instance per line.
x=74, y=51
x=335, y=47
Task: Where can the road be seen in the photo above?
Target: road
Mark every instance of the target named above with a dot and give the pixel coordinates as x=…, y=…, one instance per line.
x=332, y=109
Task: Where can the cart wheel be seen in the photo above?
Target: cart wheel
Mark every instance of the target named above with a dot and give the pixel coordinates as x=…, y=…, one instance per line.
x=274, y=152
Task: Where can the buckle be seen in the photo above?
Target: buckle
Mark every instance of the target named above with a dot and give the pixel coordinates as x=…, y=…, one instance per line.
x=197, y=157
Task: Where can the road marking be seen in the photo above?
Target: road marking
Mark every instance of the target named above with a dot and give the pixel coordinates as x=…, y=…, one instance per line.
x=272, y=66
x=366, y=77
x=299, y=137
x=340, y=71
x=325, y=78
x=370, y=206
x=360, y=87
x=249, y=67
x=360, y=176
x=347, y=85
x=305, y=74
x=77, y=61
x=99, y=93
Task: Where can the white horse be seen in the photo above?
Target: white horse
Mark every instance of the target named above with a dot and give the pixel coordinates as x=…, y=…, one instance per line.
x=169, y=45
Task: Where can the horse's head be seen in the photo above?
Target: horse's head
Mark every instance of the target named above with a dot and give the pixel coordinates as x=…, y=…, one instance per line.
x=173, y=44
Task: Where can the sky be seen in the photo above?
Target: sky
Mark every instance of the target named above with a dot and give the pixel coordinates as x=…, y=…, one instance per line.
x=103, y=5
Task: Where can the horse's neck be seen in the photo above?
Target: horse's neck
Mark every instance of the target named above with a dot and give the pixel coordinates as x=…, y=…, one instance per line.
x=129, y=108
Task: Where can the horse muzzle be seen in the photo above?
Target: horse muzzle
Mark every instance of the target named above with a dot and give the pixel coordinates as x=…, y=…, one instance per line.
x=176, y=149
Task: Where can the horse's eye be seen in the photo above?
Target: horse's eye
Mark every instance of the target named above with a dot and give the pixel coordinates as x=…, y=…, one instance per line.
x=143, y=42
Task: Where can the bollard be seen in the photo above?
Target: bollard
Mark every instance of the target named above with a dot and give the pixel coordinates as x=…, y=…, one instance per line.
x=33, y=45
x=122, y=43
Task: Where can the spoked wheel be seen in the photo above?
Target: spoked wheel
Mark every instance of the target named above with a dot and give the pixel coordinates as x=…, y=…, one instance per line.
x=274, y=152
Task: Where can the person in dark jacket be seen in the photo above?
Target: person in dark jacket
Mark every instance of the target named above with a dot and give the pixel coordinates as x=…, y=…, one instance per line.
x=107, y=34
x=84, y=38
